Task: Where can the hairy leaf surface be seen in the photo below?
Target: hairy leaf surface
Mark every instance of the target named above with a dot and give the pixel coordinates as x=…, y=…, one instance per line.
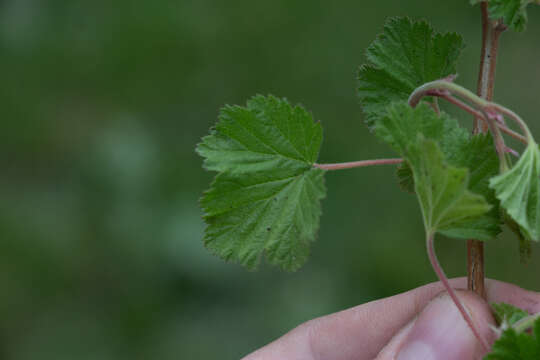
x=266, y=197
x=519, y=191
x=402, y=124
x=406, y=55
x=442, y=191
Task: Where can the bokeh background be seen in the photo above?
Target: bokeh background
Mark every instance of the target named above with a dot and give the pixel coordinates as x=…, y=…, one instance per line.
x=102, y=103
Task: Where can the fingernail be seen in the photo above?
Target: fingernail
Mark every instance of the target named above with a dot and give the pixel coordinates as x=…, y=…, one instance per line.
x=439, y=333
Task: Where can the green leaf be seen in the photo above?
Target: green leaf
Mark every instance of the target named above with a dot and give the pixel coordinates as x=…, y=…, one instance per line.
x=405, y=177
x=517, y=346
x=266, y=197
x=478, y=155
x=406, y=55
x=442, y=190
x=265, y=135
x=508, y=314
x=519, y=191
x=402, y=124
x=512, y=12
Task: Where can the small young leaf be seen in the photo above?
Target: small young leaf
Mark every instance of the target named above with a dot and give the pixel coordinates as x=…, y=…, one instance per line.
x=402, y=124
x=512, y=12
x=514, y=346
x=519, y=191
x=406, y=55
x=506, y=313
x=478, y=155
x=442, y=189
x=266, y=197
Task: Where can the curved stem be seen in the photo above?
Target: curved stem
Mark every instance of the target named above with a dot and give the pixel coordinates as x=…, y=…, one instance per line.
x=443, y=87
x=438, y=87
x=513, y=134
x=479, y=115
x=512, y=115
x=355, y=164
x=444, y=280
x=526, y=322
x=500, y=147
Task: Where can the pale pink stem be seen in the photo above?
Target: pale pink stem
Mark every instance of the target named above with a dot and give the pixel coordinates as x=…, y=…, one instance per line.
x=355, y=164
x=511, y=151
x=477, y=114
x=444, y=280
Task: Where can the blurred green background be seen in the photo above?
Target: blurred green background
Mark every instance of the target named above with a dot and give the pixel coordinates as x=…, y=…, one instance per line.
x=102, y=104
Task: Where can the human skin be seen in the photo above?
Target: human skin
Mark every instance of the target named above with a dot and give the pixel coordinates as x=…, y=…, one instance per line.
x=395, y=327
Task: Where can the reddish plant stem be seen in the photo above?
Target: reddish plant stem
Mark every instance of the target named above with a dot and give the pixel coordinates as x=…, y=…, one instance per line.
x=515, y=117
x=500, y=147
x=444, y=280
x=494, y=48
x=355, y=164
x=486, y=83
x=478, y=115
x=485, y=52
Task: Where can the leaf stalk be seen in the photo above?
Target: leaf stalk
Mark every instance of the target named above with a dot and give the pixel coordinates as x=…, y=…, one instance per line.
x=356, y=164
x=444, y=280
x=444, y=88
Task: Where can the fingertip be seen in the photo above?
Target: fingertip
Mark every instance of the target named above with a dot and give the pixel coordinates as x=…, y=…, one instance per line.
x=440, y=332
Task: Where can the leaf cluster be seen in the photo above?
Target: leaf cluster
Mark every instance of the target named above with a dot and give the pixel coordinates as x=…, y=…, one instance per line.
x=266, y=196
x=517, y=346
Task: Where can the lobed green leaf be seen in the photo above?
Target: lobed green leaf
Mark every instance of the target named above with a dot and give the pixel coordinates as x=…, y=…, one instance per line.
x=402, y=125
x=406, y=55
x=519, y=192
x=442, y=190
x=266, y=196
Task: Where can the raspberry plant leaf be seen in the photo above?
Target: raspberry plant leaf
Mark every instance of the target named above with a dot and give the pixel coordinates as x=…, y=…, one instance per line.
x=406, y=55
x=517, y=346
x=267, y=134
x=401, y=124
x=518, y=190
x=446, y=202
x=507, y=314
x=478, y=156
x=512, y=12
x=266, y=196
x=458, y=148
